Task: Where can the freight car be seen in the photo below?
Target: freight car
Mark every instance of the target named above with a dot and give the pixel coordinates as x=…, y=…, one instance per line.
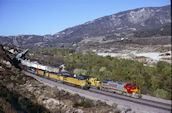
x=28, y=63
x=124, y=88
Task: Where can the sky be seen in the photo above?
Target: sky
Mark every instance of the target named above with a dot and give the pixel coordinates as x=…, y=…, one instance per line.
x=41, y=17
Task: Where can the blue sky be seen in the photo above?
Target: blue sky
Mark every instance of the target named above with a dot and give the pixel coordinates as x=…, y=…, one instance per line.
x=42, y=17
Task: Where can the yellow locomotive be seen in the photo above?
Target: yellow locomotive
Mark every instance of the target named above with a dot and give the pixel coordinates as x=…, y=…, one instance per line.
x=64, y=78
x=94, y=82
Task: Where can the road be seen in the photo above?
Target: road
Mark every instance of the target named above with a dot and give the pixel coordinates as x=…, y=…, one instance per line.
x=144, y=104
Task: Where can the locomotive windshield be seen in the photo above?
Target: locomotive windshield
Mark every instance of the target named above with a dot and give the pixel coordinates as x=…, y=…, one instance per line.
x=131, y=85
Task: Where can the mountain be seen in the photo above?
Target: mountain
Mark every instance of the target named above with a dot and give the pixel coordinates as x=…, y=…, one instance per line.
x=120, y=25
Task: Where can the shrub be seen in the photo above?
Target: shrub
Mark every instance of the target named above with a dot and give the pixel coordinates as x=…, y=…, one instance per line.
x=80, y=71
x=161, y=93
x=82, y=104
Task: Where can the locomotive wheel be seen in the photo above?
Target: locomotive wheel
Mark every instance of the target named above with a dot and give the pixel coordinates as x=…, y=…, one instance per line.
x=82, y=87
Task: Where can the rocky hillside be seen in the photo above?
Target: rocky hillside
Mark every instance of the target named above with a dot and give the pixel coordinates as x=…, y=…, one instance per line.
x=162, y=31
x=128, y=24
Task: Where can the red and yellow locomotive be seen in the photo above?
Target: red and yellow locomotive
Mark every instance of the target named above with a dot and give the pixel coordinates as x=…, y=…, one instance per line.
x=124, y=88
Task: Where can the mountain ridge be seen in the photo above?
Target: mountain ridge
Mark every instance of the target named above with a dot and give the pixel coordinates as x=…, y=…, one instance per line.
x=119, y=25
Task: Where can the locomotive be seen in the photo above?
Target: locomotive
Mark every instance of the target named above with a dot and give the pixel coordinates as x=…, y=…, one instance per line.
x=124, y=88
x=94, y=82
x=83, y=81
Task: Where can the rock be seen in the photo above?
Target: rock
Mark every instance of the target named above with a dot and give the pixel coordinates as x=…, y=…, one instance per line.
x=1, y=69
x=41, y=98
x=11, y=85
x=12, y=77
x=7, y=63
x=114, y=105
x=68, y=102
x=79, y=111
x=124, y=109
x=79, y=100
x=30, y=89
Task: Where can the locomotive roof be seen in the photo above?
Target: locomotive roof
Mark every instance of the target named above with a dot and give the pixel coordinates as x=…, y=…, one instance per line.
x=86, y=76
x=115, y=82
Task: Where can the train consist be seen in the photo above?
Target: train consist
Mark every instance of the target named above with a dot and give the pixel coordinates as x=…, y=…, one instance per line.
x=82, y=81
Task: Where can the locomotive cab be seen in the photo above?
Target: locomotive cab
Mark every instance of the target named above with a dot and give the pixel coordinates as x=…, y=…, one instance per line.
x=94, y=82
x=133, y=89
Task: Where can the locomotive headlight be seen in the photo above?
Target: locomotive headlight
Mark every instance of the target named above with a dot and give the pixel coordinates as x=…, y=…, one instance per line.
x=133, y=94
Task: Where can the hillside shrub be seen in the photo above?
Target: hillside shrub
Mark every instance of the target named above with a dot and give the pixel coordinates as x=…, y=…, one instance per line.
x=161, y=93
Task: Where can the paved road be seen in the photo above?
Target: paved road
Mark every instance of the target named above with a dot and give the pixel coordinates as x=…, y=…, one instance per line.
x=110, y=98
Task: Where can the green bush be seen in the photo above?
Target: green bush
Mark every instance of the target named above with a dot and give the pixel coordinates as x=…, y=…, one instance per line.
x=161, y=93
x=80, y=71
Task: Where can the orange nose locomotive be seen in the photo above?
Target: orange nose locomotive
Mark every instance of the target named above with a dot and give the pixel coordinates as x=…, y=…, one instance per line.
x=124, y=88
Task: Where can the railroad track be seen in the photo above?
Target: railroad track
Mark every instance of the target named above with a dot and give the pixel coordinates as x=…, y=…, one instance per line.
x=154, y=104
x=165, y=107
